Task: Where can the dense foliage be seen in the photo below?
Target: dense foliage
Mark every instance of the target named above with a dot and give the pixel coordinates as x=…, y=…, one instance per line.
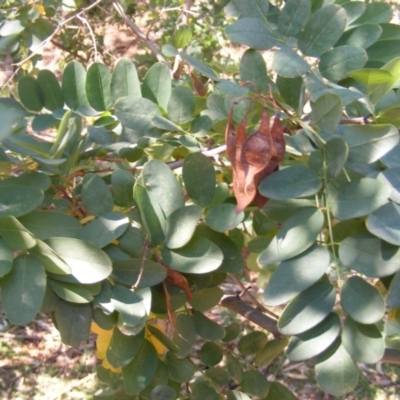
x=164, y=186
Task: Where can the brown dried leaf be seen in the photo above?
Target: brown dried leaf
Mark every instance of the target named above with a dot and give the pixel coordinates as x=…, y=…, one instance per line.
x=178, y=279
x=200, y=89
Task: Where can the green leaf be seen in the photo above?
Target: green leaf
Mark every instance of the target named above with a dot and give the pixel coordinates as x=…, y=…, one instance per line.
x=140, y=371
x=23, y=289
x=271, y=350
x=185, y=335
x=15, y=234
x=252, y=342
x=371, y=76
x=393, y=297
x=50, y=259
x=165, y=124
x=136, y=113
x=88, y=263
x=364, y=343
x=236, y=395
x=157, y=85
x=206, y=327
x=385, y=223
x=327, y=111
x=337, y=152
x=32, y=179
x=180, y=226
x=323, y=30
x=307, y=309
x=75, y=292
x=126, y=272
x=199, y=256
x=207, y=298
x=53, y=95
x=132, y=311
x=104, y=229
x=124, y=80
x=95, y=195
x=30, y=93
x=223, y=217
x=296, y=181
x=182, y=36
x=201, y=389
x=314, y=341
x=234, y=367
x=390, y=31
x=293, y=276
x=353, y=10
x=253, y=69
x=368, y=143
x=289, y=64
x=73, y=322
x=149, y=218
x=199, y=178
x=337, y=62
x=6, y=258
x=122, y=348
x=292, y=91
x=233, y=259
x=199, y=66
x=293, y=17
x=362, y=301
x=211, y=354
x=296, y=235
x=364, y=36
x=46, y=224
x=255, y=384
x=375, y=13
x=252, y=8
x=181, y=105
x=252, y=32
x=122, y=185
x=98, y=83
x=16, y=200
x=358, y=198
x=180, y=369
x=161, y=337
x=369, y=255
x=278, y=391
x=162, y=392
x=73, y=86
x=336, y=372
x=392, y=177
x=375, y=93
x=11, y=114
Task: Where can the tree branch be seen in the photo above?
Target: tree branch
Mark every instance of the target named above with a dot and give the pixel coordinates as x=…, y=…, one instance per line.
x=135, y=29
x=234, y=303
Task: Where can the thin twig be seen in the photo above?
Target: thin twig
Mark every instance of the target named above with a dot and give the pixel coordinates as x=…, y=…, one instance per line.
x=91, y=33
x=252, y=298
x=144, y=257
x=236, y=304
x=135, y=29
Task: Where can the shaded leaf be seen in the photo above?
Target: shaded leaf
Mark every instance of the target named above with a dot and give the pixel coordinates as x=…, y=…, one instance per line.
x=255, y=383
x=293, y=17
x=15, y=234
x=369, y=255
x=98, y=82
x=358, y=198
x=323, y=30
x=253, y=69
x=23, y=289
x=157, y=86
x=314, y=341
x=293, y=276
x=336, y=372
x=30, y=93
x=364, y=343
x=289, y=64
x=307, y=309
x=124, y=80
x=252, y=32
x=95, y=195
x=327, y=111
x=199, y=178
x=19, y=200
x=296, y=235
x=6, y=258
x=181, y=105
